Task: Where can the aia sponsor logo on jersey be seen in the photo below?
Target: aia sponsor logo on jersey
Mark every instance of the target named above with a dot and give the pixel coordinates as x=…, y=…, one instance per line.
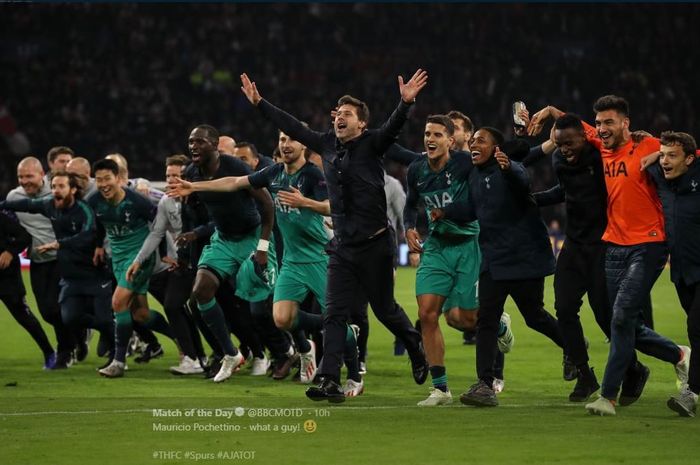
x=614, y=169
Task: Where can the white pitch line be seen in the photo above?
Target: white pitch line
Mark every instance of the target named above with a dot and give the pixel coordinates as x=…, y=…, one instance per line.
x=305, y=409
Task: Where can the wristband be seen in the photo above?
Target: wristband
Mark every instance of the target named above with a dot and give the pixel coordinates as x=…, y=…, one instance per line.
x=263, y=245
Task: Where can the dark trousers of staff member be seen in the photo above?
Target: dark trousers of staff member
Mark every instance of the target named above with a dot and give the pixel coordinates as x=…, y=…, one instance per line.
x=580, y=270
x=356, y=271
x=689, y=295
x=45, y=279
x=528, y=295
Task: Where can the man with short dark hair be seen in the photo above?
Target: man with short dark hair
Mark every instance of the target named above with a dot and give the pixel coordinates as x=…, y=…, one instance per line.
x=175, y=282
x=362, y=250
x=636, y=252
x=516, y=255
x=464, y=128
x=677, y=176
x=248, y=154
x=635, y=256
x=581, y=263
x=448, y=275
x=57, y=159
x=301, y=200
x=124, y=217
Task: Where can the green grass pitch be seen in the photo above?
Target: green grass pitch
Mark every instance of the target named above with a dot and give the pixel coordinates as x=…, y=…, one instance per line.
x=76, y=417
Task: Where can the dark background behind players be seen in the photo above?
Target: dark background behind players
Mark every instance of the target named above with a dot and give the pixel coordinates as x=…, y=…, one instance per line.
x=105, y=78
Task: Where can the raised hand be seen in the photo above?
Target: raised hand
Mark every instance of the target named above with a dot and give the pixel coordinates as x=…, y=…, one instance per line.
x=180, y=188
x=537, y=121
x=250, y=90
x=502, y=159
x=410, y=89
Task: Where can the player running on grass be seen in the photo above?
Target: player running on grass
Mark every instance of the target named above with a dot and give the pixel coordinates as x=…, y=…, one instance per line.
x=232, y=250
x=301, y=200
x=124, y=216
x=448, y=275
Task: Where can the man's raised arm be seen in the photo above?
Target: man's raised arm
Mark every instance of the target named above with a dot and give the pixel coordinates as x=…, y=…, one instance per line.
x=389, y=131
x=283, y=120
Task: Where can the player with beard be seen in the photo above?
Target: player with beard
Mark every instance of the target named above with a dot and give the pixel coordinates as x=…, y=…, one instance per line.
x=85, y=288
x=581, y=263
x=238, y=230
x=636, y=247
x=301, y=200
x=124, y=216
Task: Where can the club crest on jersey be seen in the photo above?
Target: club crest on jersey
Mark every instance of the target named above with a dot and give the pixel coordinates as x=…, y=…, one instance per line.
x=488, y=180
x=694, y=185
x=127, y=216
x=449, y=178
x=73, y=226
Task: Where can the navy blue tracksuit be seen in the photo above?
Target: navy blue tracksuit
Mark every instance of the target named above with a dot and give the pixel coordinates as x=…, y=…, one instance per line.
x=516, y=257
x=680, y=199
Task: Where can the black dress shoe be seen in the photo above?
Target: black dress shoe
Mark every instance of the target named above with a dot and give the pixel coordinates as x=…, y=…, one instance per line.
x=586, y=385
x=633, y=384
x=328, y=390
x=419, y=365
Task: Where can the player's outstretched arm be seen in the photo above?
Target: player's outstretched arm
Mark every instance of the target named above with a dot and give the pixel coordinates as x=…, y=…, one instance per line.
x=182, y=188
x=281, y=119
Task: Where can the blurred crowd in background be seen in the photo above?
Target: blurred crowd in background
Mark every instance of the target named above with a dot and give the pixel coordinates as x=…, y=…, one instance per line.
x=135, y=79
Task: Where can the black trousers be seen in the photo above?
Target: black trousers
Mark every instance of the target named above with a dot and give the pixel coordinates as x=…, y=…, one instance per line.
x=690, y=301
x=580, y=270
x=172, y=289
x=17, y=305
x=528, y=295
x=365, y=269
x=45, y=280
x=263, y=329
